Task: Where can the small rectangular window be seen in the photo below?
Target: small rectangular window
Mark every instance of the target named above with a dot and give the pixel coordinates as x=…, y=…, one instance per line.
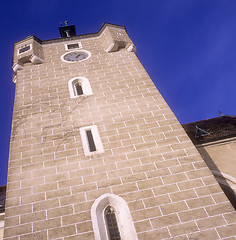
x=73, y=46
x=91, y=140
x=24, y=49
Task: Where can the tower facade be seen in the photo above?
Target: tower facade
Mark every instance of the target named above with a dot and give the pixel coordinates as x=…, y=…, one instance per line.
x=96, y=153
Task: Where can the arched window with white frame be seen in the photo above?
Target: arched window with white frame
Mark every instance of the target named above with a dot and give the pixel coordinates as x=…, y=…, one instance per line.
x=111, y=223
x=111, y=219
x=79, y=86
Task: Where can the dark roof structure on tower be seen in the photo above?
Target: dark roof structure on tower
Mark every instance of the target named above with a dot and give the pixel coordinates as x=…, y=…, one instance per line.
x=210, y=130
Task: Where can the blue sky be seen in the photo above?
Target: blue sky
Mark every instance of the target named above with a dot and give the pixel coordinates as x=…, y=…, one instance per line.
x=188, y=47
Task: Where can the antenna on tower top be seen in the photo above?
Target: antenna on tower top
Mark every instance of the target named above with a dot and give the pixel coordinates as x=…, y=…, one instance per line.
x=221, y=113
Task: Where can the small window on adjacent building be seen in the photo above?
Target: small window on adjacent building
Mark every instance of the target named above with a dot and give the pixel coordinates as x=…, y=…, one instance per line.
x=24, y=49
x=91, y=140
x=79, y=86
x=73, y=46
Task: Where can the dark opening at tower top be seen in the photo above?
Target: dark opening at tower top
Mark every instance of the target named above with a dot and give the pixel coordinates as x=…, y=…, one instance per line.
x=67, y=30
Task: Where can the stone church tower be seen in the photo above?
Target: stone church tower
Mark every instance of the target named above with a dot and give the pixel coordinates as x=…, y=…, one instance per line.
x=96, y=153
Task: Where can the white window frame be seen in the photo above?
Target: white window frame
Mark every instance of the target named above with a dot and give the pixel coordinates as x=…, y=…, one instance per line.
x=66, y=45
x=18, y=50
x=96, y=139
x=84, y=82
x=123, y=216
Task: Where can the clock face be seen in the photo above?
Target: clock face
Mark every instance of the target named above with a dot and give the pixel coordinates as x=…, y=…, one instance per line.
x=75, y=56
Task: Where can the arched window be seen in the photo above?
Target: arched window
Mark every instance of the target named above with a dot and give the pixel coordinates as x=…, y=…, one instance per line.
x=111, y=219
x=111, y=223
x=79, y=86
x=78, y=89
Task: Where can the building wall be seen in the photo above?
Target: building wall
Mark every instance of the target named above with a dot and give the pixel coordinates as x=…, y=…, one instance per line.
x=224, y=155
x=1, y=225
x=220, y=157
x=148, y=160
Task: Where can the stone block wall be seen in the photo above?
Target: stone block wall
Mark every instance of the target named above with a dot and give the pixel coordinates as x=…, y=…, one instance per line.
x=148, y=159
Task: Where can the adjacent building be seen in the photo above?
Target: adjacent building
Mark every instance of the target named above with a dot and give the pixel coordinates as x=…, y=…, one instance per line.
x=215, y=139
x=2, y=209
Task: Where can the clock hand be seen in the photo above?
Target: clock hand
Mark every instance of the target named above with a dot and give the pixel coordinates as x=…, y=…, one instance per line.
x=77, y=55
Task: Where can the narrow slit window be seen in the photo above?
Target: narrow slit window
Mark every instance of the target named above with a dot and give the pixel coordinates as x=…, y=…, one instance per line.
x=91, y=142
x=112, y=226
